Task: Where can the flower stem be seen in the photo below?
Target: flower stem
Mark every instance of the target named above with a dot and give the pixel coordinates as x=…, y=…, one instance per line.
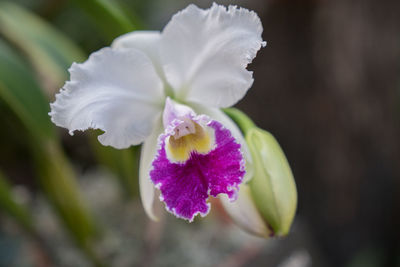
x=240, y=118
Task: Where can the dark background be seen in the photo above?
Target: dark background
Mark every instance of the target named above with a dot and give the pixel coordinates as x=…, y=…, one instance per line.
x=327, y=86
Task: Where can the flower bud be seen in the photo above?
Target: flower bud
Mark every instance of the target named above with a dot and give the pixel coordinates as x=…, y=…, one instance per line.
x=272, y=187
x=270, y=193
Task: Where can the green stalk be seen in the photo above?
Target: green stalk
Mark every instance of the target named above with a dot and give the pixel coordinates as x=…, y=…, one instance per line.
x=240, y=118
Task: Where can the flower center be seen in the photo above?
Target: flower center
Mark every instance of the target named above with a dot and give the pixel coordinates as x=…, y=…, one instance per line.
x=189, y=137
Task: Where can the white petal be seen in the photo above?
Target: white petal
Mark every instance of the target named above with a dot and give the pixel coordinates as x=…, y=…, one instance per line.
x=220, y=116
x=205, y=53
x=174, y=110
x=117, y=91
x=244, y=212
x=147, y=189
x=146, y=41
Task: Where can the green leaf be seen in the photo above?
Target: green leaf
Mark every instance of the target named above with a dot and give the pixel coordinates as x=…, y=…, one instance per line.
x=50, y=52
x=108, y=16
x=20, y=90
x=11, y=207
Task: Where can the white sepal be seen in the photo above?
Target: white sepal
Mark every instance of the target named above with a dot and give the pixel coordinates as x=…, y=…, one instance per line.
x=146, y=41
x=149, y=150
x=245, y=214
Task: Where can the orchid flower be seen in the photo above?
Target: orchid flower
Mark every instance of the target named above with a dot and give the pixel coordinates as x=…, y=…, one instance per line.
x=164, y=89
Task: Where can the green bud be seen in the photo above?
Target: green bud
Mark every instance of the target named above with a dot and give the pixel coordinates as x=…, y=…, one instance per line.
x=272, y=186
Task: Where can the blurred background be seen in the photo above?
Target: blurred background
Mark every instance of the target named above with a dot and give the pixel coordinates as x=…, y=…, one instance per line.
x=326, y=86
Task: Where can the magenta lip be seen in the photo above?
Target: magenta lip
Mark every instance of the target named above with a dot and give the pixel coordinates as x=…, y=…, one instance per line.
x=185, y=187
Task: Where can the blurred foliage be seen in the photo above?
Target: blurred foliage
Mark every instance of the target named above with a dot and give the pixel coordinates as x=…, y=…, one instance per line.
x=50, y=52
x=19, y=89
x=58, y=183
x=124, y=163
x=25, y=37
x=108, y=16
x=11, y=206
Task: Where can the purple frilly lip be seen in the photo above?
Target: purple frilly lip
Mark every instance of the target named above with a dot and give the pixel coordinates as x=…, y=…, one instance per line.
x=185, y=187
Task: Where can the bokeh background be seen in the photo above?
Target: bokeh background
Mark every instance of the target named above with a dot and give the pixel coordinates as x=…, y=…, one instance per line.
x=327, y=87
